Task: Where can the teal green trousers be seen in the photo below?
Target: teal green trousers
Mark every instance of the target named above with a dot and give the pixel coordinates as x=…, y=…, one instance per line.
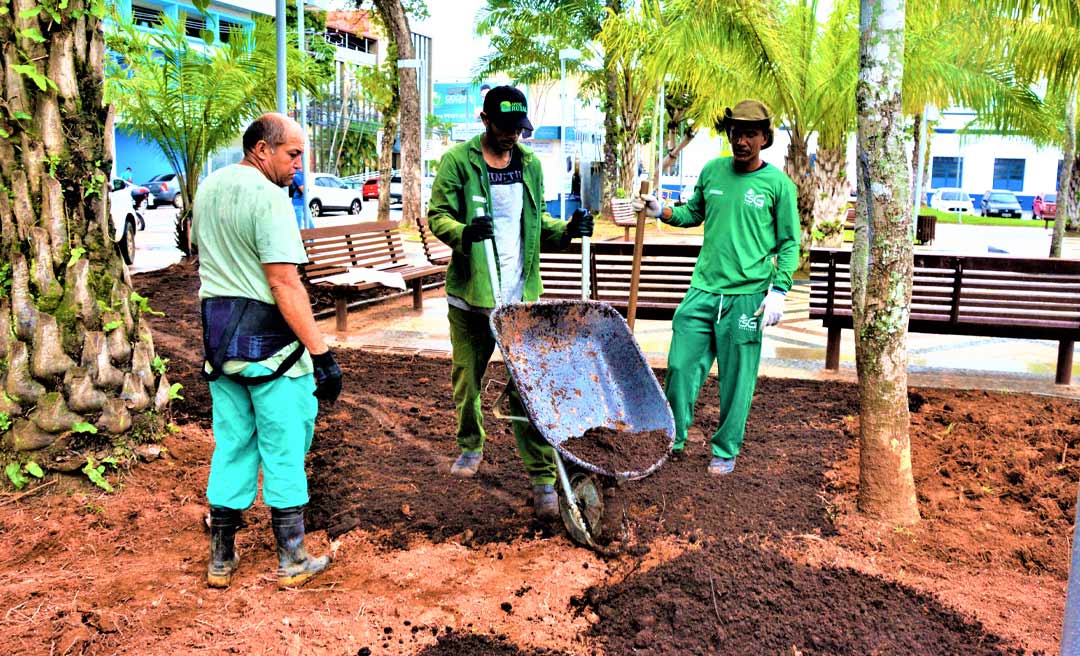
x=706, y=328
x=269, y=426
x=472, y=344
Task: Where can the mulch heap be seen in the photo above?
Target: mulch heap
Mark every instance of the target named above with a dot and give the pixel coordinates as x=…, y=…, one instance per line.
x=996, y=475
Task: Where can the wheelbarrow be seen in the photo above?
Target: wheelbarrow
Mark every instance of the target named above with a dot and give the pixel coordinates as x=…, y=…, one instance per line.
x=576, y=366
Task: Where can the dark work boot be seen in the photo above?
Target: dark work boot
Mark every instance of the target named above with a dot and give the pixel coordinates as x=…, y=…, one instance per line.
x=223, y=558
x=295, y=566
x=545, y=502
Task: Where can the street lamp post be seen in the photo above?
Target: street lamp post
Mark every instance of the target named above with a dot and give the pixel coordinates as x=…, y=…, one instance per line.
x=282, y=74
x=566, y=54
x=569, y=54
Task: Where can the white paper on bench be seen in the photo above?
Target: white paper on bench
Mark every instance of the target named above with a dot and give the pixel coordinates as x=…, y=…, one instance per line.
x=367, y=274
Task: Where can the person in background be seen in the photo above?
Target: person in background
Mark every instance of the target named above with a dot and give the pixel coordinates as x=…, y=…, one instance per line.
x=127, y=176
x=296, y=194
x=749, y=253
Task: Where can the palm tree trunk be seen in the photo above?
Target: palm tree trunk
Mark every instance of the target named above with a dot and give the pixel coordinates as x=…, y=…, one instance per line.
x=797, y=167
x=830, y=179
x=73, y=347
x=882, y=269
x=612, y=129
x=397, y=24
x=1068, y=182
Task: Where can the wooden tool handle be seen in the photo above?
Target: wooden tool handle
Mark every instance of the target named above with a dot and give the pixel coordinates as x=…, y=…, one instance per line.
x=635, y=271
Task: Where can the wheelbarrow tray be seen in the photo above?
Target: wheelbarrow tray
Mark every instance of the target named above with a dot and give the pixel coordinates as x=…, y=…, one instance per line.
x=577, y=366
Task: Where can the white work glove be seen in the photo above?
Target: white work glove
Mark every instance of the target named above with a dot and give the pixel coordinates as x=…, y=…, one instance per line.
x=772, y=307
x=648, y=202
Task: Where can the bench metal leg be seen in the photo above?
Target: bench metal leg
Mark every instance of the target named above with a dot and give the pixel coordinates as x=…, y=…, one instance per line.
x=341, y=313
x=1065, y=361
x=832, y=349
x=417, y=295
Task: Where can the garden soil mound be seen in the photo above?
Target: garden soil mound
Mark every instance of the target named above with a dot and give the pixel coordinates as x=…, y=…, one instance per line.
x=769, y=559
x=619, y=451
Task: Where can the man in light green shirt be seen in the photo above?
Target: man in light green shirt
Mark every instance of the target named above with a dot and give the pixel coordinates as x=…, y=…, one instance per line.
x=740, y=280
x=267, y=362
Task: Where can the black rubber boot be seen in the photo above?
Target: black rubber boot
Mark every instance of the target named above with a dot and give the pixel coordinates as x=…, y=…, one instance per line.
x=295, y=566
x=223, y=558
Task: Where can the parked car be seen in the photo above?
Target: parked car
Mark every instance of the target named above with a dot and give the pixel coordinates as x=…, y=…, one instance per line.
x=124, y=219
x=139, y=197
x=1000, y=202
x=329, y=193
x=165, y=190
x=1044, y=207
x=951, y=199
x=371, y=188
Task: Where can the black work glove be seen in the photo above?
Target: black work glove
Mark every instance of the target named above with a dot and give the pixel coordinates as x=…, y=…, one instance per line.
x=579, y=225
x=479, y=229
x=327, y=377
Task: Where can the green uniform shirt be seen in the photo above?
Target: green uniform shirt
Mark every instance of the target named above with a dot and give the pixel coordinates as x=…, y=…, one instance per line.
x=750, y=219
x=241, y=221
x=460, y=192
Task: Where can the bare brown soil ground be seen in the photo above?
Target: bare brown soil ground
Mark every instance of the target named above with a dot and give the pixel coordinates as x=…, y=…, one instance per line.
x=769, y=560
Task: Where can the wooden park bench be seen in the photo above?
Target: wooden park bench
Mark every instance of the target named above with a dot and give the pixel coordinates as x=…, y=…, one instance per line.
x=666, y=270
x=986, y=296
x=435, y=251
x=374, y=246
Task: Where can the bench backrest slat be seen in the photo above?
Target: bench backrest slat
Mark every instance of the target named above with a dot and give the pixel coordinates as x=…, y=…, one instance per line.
x=333, y=250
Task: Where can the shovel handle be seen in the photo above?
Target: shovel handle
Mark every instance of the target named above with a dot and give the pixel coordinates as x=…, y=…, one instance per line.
x=635, y=269
x=493, y=271
x=586, y=268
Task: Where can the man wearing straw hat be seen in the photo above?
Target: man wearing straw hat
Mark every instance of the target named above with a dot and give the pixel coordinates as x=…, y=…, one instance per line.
x=742, y=275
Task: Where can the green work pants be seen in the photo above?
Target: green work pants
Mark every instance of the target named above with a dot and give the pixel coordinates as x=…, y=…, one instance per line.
x=269, y=426
x=722, y=328
x=472, y=344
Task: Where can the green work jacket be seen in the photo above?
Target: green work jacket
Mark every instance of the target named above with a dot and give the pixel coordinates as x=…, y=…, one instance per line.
x=460, y=193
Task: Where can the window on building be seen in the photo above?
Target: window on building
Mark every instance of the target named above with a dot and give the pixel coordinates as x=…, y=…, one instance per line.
x=194, y=24
x=1009, y=174
x=227, y=28
x=146, y=15
x=947, y=172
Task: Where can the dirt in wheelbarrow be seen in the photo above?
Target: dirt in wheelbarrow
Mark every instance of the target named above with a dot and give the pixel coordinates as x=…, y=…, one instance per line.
x=772, y=559
x=619, y=451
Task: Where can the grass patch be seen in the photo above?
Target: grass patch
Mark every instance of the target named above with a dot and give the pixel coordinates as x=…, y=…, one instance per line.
x=974, y=219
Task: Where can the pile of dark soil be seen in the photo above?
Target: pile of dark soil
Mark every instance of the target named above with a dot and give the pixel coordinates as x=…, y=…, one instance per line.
x=619, y=451
x=737, y=596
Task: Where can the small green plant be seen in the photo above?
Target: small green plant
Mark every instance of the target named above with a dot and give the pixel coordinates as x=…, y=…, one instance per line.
x=159, y=364
x=621, y=193
x=172, y=428
x=5, y=279
x=5, y=421
x=96, y=473
x=76, y=253
x=174, y=391
x=16, y=473
x=143, y=304
x=83, y=427
x=111, y=326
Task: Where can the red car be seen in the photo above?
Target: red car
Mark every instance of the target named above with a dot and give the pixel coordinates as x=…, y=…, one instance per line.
x=1044, y=206
x=371, y=188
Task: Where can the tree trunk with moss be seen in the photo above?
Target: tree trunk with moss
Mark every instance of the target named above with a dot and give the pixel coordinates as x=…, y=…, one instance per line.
x=1069, y=180
x=78, y=360
x=881, y=268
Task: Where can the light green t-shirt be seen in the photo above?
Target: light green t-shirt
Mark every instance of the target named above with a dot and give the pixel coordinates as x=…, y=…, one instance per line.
x=241, y=221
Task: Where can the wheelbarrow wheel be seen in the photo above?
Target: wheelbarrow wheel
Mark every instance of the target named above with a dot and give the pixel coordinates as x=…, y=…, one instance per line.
x=589, y=498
